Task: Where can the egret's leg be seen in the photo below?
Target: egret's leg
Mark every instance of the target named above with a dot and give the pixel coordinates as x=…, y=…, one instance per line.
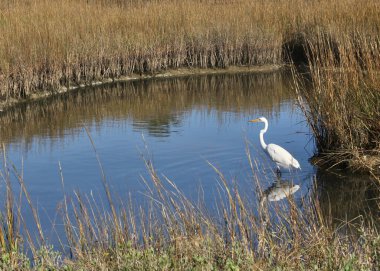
x=278, y=172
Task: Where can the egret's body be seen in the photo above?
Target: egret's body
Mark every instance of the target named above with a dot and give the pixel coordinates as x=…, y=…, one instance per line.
x=279, y=155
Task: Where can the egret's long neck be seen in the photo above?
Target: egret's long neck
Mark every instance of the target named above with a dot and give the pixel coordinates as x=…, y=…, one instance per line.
x=262, y=132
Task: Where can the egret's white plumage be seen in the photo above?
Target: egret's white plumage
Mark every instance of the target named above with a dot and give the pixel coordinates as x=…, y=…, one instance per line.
x=279, y=155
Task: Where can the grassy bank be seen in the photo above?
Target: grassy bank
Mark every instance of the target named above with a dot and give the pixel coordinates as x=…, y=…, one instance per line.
x=172, y=233
x=46, y=45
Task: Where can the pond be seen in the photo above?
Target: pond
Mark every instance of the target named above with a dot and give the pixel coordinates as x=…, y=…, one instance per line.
x=182, y=125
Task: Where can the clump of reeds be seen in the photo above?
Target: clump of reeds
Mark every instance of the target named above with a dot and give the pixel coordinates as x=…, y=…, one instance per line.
x=173, y=233
x=342, y=100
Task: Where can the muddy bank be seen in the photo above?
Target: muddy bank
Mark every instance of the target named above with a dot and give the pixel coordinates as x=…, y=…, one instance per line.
x=4, y=105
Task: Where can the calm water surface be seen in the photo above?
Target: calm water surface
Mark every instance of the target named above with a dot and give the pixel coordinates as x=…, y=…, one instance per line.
x=181, y=124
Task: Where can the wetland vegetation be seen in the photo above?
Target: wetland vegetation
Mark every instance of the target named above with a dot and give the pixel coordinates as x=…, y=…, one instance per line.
x=48, y=47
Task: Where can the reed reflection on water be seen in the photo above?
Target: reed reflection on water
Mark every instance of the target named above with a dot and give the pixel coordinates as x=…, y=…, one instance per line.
x=152, y=105
x=185, y=121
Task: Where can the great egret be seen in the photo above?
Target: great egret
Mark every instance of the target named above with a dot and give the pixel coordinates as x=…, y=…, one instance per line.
x=279, y=155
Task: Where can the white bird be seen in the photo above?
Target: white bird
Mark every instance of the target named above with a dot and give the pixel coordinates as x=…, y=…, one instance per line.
x=279, y=155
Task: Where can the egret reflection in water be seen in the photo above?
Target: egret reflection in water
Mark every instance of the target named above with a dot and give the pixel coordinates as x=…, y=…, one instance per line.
x=279, y=190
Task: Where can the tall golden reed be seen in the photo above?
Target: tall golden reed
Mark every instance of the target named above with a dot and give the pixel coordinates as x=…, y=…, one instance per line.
x=342, y=101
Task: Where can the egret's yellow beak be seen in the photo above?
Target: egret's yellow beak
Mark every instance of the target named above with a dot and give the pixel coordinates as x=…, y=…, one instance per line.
x=255, y=120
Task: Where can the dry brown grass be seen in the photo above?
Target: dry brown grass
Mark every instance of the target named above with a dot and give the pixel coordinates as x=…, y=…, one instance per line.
x=52, y=44
x=46, y=45
x=342, y=103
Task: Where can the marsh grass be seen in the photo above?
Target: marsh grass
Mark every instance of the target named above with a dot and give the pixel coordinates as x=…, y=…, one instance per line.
x=173, y=233
x=48, y=45
x=341, y=102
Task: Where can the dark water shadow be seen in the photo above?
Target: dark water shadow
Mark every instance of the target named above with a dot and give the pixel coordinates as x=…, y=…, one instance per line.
x=347, y=198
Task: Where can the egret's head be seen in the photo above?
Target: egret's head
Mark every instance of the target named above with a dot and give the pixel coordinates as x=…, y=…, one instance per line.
x=261, y=119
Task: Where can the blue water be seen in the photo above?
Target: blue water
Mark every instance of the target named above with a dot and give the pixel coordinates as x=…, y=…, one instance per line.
x=181, y=143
